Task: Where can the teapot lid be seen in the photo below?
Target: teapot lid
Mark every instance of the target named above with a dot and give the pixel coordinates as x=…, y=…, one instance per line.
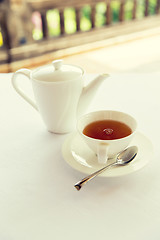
x=57, y=71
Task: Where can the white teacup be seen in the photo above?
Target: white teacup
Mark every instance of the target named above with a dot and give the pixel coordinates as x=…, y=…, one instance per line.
x=107, y=148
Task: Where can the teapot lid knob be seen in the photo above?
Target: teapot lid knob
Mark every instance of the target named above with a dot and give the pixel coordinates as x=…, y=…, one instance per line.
x=57, y=64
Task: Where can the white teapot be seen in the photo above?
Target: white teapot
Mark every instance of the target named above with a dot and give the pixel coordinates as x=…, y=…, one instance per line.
x=59, y=93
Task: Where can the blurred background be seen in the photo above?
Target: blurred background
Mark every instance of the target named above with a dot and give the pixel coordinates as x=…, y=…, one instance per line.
x=35, y=32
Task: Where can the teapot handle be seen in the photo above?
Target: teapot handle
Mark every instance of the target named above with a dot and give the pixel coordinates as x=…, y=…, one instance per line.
x=15, y=84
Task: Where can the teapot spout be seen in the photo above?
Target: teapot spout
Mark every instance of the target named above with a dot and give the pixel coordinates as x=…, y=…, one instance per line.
x=89, y=92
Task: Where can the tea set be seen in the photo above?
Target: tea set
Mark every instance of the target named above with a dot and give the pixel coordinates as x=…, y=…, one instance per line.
x=62, y=98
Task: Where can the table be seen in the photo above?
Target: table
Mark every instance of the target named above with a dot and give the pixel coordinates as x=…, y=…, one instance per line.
x=37, y=197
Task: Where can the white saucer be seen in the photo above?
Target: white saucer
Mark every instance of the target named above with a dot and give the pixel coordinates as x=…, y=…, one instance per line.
x=78, y=155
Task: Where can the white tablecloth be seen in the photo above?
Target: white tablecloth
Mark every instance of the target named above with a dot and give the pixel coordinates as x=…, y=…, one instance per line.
x=37, y=197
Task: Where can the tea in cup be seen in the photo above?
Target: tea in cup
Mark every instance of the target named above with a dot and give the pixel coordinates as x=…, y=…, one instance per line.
x=107, y=132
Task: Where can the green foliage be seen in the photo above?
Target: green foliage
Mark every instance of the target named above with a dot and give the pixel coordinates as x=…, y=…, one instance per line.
x=140, y=9
x=53, y=21
x=53, y=18
x=100, y=14
x=115, y=7
x=37, y=34
x=152, y=7
x=70, y=20
x=85, y=22
x=128, y=10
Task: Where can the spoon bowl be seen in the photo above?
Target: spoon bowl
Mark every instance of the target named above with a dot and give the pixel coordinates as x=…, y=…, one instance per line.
x=127, y=155
x=123, y=158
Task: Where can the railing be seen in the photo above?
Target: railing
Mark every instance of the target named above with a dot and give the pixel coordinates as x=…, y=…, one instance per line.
x=28, y=47
x=44, y=6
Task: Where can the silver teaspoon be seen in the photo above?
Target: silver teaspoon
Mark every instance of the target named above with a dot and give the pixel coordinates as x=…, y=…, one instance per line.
x=122, y=159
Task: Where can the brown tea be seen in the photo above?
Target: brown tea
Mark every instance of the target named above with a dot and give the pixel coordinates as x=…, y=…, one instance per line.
x=107, y=130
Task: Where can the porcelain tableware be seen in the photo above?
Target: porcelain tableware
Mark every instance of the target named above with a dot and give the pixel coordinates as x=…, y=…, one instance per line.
x=105, y=149
x=60, y=95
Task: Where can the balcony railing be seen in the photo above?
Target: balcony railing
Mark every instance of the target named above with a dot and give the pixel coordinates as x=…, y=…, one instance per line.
x=117, y=18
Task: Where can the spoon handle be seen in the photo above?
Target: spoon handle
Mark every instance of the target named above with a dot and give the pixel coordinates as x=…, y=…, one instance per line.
x=79, y=184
